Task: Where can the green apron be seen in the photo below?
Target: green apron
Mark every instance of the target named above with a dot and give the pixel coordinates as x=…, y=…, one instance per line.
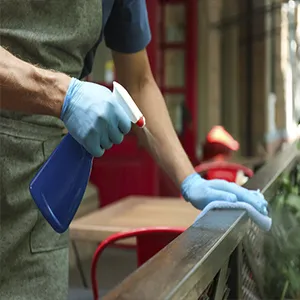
x=57, y=35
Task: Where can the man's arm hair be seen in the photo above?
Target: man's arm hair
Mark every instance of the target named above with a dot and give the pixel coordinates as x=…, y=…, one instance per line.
x=29, y=89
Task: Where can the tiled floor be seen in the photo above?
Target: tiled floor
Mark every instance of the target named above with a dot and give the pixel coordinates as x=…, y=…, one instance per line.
x=113, y=267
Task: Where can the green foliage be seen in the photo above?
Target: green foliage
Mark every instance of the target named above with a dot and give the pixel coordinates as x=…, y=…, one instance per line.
x=282, y=244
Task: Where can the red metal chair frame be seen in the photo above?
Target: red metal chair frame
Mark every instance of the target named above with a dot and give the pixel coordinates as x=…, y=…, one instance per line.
x=149, y=241
x=214, y=166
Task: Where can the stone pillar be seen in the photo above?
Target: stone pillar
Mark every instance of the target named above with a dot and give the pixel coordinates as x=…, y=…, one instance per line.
x=280, y=67
x=209, y=66
x=297, y=79
x=229, y=72
x=284, y=118
x=214, y=10
x=261, y=74
x=259, y=83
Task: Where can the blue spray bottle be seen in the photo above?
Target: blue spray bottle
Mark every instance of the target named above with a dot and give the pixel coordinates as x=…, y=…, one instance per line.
x=60, y=184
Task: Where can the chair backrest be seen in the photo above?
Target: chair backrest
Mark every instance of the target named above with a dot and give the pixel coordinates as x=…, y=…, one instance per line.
x=149, y=241
x=222, y=170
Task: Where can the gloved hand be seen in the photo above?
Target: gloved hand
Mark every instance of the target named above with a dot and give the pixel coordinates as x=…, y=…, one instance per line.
x=93, y=117
x=200, y=192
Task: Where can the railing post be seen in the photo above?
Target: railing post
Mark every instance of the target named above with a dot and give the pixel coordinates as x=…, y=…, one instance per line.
x=235, y=277
x=221, y=283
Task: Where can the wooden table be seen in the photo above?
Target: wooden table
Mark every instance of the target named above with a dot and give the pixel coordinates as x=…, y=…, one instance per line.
x=130, y=213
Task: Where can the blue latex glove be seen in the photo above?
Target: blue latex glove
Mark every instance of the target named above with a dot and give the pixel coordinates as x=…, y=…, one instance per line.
x=200, y=192
x=93, y=117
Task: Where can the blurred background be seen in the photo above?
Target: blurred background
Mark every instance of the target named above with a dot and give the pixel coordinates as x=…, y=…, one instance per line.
x=230, y=74
x=234, y=63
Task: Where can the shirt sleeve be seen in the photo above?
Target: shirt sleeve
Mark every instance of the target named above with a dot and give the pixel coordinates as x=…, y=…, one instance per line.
x=127, y=29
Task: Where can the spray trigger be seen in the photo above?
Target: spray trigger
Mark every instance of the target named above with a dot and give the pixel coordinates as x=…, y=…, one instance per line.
x=129, y=106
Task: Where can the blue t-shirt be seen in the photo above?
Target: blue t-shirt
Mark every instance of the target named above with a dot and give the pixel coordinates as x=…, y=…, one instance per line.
x=125, y=28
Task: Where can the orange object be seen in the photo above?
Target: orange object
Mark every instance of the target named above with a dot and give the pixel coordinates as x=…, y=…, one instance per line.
x=219, y=135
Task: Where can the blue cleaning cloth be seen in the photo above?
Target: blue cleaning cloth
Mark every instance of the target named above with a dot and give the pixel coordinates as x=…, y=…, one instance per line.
x=262, y=221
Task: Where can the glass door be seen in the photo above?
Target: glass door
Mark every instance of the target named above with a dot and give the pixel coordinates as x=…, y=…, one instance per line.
x=177, y=75
x=171, y=76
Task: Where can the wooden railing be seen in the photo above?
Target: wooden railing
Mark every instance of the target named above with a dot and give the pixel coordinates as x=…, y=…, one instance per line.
x=219, y=257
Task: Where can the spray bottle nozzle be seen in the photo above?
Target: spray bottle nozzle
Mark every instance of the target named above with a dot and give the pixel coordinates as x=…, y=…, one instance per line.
x=141, y=122
x=129, y=106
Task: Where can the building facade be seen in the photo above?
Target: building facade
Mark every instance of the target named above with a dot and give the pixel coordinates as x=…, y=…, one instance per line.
x=249, y=71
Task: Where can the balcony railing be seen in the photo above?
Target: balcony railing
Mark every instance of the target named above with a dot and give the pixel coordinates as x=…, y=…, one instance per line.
x=219, y=257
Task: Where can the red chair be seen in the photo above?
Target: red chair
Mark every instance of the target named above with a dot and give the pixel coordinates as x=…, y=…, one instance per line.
x=222, y=170
x=149, y=241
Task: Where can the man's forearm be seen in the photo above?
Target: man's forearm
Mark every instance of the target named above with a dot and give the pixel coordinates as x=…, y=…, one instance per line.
x=165, y=145
x=29, y=89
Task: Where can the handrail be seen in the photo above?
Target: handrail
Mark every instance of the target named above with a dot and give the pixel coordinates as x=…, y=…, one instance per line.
x=185, y=268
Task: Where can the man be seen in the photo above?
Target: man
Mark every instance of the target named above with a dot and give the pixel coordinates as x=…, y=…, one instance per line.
x=47, y=47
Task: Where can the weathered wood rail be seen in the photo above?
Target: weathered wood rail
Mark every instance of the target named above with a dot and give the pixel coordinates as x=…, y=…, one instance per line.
x=219, y=257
